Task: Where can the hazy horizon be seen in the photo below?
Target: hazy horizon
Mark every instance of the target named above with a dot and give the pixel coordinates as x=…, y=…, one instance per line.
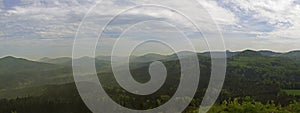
x=165, y=54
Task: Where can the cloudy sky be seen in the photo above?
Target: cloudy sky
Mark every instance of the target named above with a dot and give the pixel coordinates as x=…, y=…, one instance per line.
x=39, y=28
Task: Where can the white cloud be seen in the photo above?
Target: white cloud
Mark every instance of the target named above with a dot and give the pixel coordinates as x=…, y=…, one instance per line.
x=282, y=15
x=278, y=20
x=220, y=14
x=57, y=15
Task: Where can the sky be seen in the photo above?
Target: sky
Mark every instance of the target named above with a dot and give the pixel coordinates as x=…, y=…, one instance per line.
x=47, y=28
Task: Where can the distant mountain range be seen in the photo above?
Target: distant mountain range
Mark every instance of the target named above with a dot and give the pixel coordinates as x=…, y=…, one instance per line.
x=9, y=61
x=295, y=55
x=18, y=73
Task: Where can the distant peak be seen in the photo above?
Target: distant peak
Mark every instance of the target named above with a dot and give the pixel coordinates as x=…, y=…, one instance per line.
x=250, y=53
x=248, y=50
x=152, y=54
x=9, y=57
x=296, y=51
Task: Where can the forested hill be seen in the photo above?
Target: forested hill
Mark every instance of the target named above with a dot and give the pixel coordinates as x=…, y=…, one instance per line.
x=255, y=65
x=264, y=76
x=18, y=72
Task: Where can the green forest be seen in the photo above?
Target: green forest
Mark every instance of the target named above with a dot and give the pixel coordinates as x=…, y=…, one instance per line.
x=256, y=82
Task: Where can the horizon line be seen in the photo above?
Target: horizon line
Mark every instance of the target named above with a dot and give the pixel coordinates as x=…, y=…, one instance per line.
x=295, y=50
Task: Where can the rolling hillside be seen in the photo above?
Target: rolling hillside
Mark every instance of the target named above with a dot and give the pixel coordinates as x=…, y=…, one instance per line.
x=246, y=70
x=18, y=73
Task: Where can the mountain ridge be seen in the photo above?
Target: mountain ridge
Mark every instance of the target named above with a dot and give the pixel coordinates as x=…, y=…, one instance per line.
x=295, y=55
